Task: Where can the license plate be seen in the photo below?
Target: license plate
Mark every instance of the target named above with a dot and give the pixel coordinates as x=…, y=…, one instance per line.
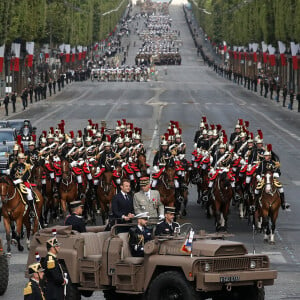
x=225, y=279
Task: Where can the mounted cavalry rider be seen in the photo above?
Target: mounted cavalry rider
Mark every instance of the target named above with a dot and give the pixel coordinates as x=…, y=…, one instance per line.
x=108, y=156
x=269, y=164
x=32, y=154
x=203, y=141
x=220, y=163
x=159, y=160
x=122, y=150
x=14, y=156
x=20, y=173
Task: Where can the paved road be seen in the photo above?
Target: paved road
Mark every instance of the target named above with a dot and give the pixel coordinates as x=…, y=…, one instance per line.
x=185, y=94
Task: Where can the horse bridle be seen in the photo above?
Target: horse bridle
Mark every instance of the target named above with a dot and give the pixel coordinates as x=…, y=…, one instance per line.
x=6, y=197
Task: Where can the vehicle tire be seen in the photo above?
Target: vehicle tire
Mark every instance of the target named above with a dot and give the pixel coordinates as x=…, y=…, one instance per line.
x=4, y=274
x=171, y=285
x=72, y=292
x=87, y=293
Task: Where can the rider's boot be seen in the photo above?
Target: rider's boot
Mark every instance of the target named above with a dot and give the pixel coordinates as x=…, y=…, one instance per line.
x=284, y=205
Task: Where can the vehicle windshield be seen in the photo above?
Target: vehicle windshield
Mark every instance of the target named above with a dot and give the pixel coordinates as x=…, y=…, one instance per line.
x=3, y=124
x=7, y=136
x=16, y=124
x=185, y=229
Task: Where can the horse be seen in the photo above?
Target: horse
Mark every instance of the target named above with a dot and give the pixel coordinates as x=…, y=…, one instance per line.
x=15, y=209
x=68, y=187
x=166, y=185
x=184, y=191
x=221, y=194
x=142, y=164
x=38, y=175
x=106, y=191
x=269, y=205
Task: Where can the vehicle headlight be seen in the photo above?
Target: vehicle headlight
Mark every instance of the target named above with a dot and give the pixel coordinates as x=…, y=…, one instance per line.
x=252, y=264
x=207, y=267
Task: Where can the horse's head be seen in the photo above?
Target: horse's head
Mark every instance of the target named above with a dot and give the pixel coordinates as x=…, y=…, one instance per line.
x=37, y=174
x=269, y=181
x=65, y=170
x=141, y=163
x=225, y=181
x=5, y=184
x=170, y=172
x=107, y=180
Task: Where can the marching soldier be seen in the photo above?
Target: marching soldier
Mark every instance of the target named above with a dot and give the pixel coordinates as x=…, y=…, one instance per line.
x=33, y=289
x=54, y=275
x=167, y=226
x=139, y=235
x=75, y=219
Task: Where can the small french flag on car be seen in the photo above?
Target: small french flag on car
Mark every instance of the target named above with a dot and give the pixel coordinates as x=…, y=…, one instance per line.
x=187, y=246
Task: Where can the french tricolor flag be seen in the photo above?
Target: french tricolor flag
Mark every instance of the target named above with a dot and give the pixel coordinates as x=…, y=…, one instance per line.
x=188, y=244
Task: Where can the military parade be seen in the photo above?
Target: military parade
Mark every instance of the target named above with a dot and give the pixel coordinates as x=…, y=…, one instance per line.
x=137, y=166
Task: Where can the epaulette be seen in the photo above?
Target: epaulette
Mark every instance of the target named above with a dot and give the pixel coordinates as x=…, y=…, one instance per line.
x=50, y=263
x=27, y=166
x=28, y=289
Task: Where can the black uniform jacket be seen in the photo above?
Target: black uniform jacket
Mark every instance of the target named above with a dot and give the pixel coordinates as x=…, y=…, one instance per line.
x=137, y=240
x=54, y=278
x=33, y=291
x=77, y=222
x=164, y=228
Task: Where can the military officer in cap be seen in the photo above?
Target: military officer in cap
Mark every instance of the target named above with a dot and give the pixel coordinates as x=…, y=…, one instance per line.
x=139, y=235
x=148, y=200
x=55, y=280
x=33, y=289
x=167, y=226
x=75, y=219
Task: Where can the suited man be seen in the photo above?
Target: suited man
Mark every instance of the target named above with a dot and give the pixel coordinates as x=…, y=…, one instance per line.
x=147, y=200
x=122, y=204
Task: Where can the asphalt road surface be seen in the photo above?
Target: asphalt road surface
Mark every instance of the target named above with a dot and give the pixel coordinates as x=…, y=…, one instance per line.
x=186, y=93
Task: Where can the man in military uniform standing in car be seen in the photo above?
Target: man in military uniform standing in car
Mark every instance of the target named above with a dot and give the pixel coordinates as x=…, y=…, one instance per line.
x=167, y=226
x=54, y=275
x=75, y=219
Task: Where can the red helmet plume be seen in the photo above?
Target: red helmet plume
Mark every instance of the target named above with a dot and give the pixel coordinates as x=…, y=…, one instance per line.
x=219, y=127
x=247, y=123
x=79, y=133
x=260, y=134
x=33, y=136
x=90, y=122
x=269, y=147
x=72, y=134
x=108, y=138
x=204, y=119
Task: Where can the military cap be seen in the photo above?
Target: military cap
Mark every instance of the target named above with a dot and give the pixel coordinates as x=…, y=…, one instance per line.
x=75, y=204
x=144, y=181
x=35, y=268
x=169, y=210
x=31, y=143
x=53, y=242
x=144, y=215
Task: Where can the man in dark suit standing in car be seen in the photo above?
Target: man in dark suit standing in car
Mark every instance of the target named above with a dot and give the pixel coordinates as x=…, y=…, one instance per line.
x=122, y=204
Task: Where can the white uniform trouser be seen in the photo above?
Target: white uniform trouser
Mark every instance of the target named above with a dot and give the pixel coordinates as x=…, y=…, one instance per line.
x=29, y=194
x=154, y=183
x=79, y=178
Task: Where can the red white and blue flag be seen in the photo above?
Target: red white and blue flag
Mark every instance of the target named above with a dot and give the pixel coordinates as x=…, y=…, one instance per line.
x=188, y=244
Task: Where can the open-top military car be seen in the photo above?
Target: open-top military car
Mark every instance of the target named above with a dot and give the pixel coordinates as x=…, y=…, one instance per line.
x=101, y=260
x=4, y=274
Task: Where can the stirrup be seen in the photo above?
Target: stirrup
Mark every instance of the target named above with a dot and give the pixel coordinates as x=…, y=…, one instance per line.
x=285, y=206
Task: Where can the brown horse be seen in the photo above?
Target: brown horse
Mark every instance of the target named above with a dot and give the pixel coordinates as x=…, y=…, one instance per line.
x=15, y=210
x=269, y=207
x=38, y=175
x=221, y=194
x=68, y=187
x=105, y=192
x=166, y=185
x=142, y=164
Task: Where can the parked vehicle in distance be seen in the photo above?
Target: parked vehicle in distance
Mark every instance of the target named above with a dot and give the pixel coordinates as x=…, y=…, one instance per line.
x=8, y=137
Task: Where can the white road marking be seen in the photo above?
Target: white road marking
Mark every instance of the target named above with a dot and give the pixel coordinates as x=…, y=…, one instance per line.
x=296, y=182
x=18, y=259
